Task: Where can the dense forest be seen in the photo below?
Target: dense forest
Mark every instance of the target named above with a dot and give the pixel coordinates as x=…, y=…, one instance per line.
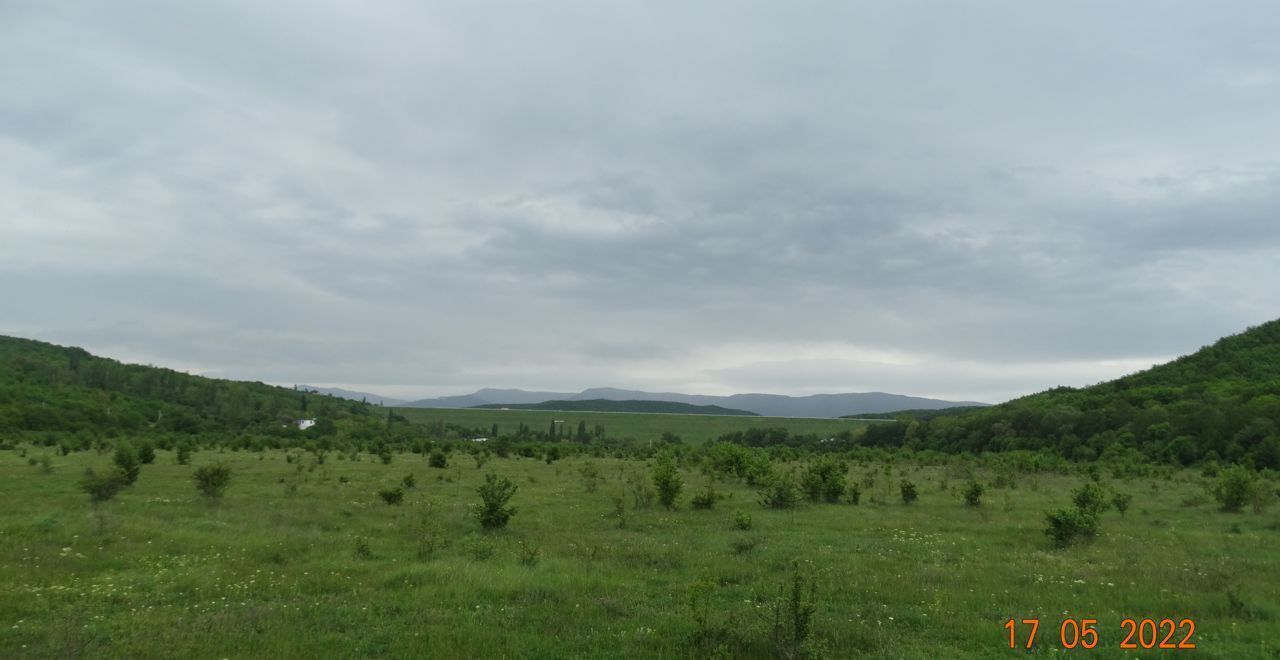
x=1221, y=403
x=608, y=405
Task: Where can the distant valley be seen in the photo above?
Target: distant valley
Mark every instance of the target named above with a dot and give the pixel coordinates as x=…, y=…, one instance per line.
x=769, y=405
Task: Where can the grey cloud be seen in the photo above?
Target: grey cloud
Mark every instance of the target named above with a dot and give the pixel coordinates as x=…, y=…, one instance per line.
x=453, y=195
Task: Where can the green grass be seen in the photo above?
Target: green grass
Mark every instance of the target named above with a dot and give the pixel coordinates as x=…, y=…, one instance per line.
x=272, y=570
x=644, y=427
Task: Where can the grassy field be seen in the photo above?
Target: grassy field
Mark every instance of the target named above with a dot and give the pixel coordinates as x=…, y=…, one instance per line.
x=638, y=426
x=305, y=561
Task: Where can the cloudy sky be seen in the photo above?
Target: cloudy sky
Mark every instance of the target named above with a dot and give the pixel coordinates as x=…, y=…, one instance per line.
x=965, y=200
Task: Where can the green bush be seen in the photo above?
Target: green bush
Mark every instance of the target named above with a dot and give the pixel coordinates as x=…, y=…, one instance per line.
x=212, y=480
x=409, y=481
x=781, y=492
x=973, y=494
x=1234, y=488
x=741, y=520
x=1072, y=525
x=1121, y=502
x=184, y=453
x=127, y=461
x=103, y=487
x=666, y=479
x=392, y=495
x=147, y=454
x=495, y=493
x=1091, y=498
x=705, y=500
x=823, y=479
x=438, y=460
x=909, y=493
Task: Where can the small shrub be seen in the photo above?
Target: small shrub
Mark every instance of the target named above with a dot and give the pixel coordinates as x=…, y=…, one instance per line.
x=362, y=549
x=590, y=476
x=409, y=481
x=823, y=479
x=46, y=464
x=1090, y=498
x=102, y=487
x=666, y=479
x=392, y=495
x=643, y=494
x=212, y=480
x=855, y=494
x=740, y=520
x=744, y=545
x=791, y=613
x=973, y=494
x=438, y=460
x=1069, y=526
x=147, y=454
x=494, y=495
x=1121, y=502
x=908, y=489
x=184, y=453
x=428, y=534
x=705, y=500
x=1234, y=488
x=481, y=457
x=781, y=492
x=127, y=461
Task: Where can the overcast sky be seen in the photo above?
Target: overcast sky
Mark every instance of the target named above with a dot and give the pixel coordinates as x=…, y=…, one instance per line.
x=969, y=200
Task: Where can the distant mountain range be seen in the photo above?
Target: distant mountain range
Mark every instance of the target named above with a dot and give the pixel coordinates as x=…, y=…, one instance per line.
x=770, y=405
x=368, y=397
x=608, y=405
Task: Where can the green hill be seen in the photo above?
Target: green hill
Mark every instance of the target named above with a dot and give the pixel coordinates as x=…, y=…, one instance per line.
x=607, y=405
x=1219, y=403
x=46, y=388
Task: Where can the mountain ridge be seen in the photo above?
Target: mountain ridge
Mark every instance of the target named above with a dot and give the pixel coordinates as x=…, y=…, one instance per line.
x=628, y=406
x=769, y=405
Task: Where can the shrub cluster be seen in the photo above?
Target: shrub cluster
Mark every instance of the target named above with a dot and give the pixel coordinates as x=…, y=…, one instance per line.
x=823, y=479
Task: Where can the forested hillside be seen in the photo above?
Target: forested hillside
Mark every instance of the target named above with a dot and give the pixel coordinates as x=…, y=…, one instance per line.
x=48, y=388
x=1220, y=403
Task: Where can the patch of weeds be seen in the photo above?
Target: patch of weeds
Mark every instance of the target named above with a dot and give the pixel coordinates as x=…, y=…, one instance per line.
x=477, y=547
x=528, y=553
x=362, y=549
x=392, y=496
